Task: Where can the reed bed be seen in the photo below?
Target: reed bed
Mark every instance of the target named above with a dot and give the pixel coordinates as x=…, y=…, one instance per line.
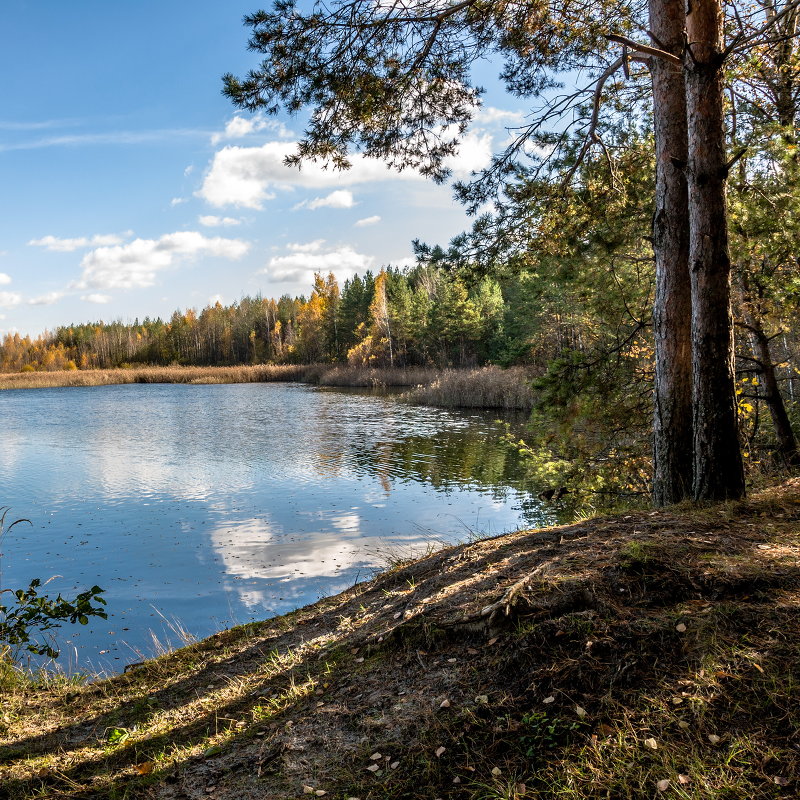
x=484, y=387
x=378, y=378
x=258, y=373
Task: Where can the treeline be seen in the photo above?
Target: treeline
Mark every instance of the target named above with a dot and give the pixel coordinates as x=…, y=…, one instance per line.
x=423, y=316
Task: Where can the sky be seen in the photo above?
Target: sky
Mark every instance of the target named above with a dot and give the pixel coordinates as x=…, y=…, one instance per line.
x=130, y=187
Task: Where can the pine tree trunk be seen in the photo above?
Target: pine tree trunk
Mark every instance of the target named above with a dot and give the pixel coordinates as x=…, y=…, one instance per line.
x=768, y=380
x=672, y=309
x=718, y=471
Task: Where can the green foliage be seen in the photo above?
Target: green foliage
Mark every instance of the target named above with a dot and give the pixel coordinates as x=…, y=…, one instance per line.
x=540, y=733
x=32, y=613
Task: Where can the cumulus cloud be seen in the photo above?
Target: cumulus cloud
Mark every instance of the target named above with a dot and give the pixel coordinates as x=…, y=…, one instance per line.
x=177, y=201
x=4, y=279
x=489, y=114
x=210, y=221
x=99, y=299
x=306, y=247
x=474, y=154
x=247, y=176
x=134, y=265
x=81, y=242
x=239, y=127
x=363, y=223
x=341, y=198
x=46, y=299
x=303, y=260
x=9, y=299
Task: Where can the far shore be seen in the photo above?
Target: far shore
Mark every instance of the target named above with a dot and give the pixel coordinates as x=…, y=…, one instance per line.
x=480, y=387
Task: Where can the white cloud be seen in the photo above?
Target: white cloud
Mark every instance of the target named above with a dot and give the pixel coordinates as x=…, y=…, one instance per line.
x=99, y=299
x=177, y=201
x=134, y=265
x=306, y=247
x=4, y=279
x=362, y=223
x=245, y=176
x=474, y=154
x=239, y=127
x=341, y=198
x=69, y=245
x=210, y=221
x=490, y=114
x=306, y=259
x=46, y=299
x=9, y=299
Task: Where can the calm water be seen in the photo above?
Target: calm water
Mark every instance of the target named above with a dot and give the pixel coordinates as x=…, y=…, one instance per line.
x=215, y=505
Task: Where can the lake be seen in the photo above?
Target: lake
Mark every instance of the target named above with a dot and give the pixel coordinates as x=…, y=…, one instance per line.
x=198, y=507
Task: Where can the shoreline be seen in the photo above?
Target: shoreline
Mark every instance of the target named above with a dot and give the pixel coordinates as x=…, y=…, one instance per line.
x=479, y=387
x=627, y=655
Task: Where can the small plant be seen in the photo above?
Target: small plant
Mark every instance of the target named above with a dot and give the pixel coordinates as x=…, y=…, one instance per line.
x=540, y=733
x=31, y=613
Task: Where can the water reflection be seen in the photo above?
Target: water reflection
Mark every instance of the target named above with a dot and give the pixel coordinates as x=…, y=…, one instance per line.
x=218, y=504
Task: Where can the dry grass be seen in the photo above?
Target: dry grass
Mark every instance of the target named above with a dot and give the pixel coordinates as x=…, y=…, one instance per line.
x=259, y=373
x=485, y=387
x=645, y=655
x=378, y=378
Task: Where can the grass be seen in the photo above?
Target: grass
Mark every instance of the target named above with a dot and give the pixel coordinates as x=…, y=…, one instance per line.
x=487, y=387
x=642, y=655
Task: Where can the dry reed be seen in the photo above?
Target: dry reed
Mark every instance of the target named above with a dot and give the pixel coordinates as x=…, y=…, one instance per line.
x=487, y=387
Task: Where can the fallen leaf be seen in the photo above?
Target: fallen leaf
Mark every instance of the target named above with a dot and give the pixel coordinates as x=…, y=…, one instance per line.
x=550, y=699
x=683, y=724
x=780, y=781
x=496, y=771
x=472, y=651
x=491, y=641
x=394, y=765
x=376, y=756
x=684, y=779
x=680, y=627
x=606, y=730
x=320, y=793
x=758, y=667
x=482, y=699
x=456, y=779
x=651, y=743
x=439, y=751
x=713, y=738
x=444, y=704
x=145, y=768
x=373, y=767
x=581, y=712
x=308, y=790
x=662, y=786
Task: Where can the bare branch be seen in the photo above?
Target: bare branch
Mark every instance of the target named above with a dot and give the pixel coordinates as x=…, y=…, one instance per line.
x=644, y=48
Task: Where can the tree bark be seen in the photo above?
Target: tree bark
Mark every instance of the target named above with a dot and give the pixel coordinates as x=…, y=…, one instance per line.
x=672, y=308
x=718, y=470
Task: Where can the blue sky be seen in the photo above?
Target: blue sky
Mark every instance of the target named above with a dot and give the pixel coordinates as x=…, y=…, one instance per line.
x=132, y=187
